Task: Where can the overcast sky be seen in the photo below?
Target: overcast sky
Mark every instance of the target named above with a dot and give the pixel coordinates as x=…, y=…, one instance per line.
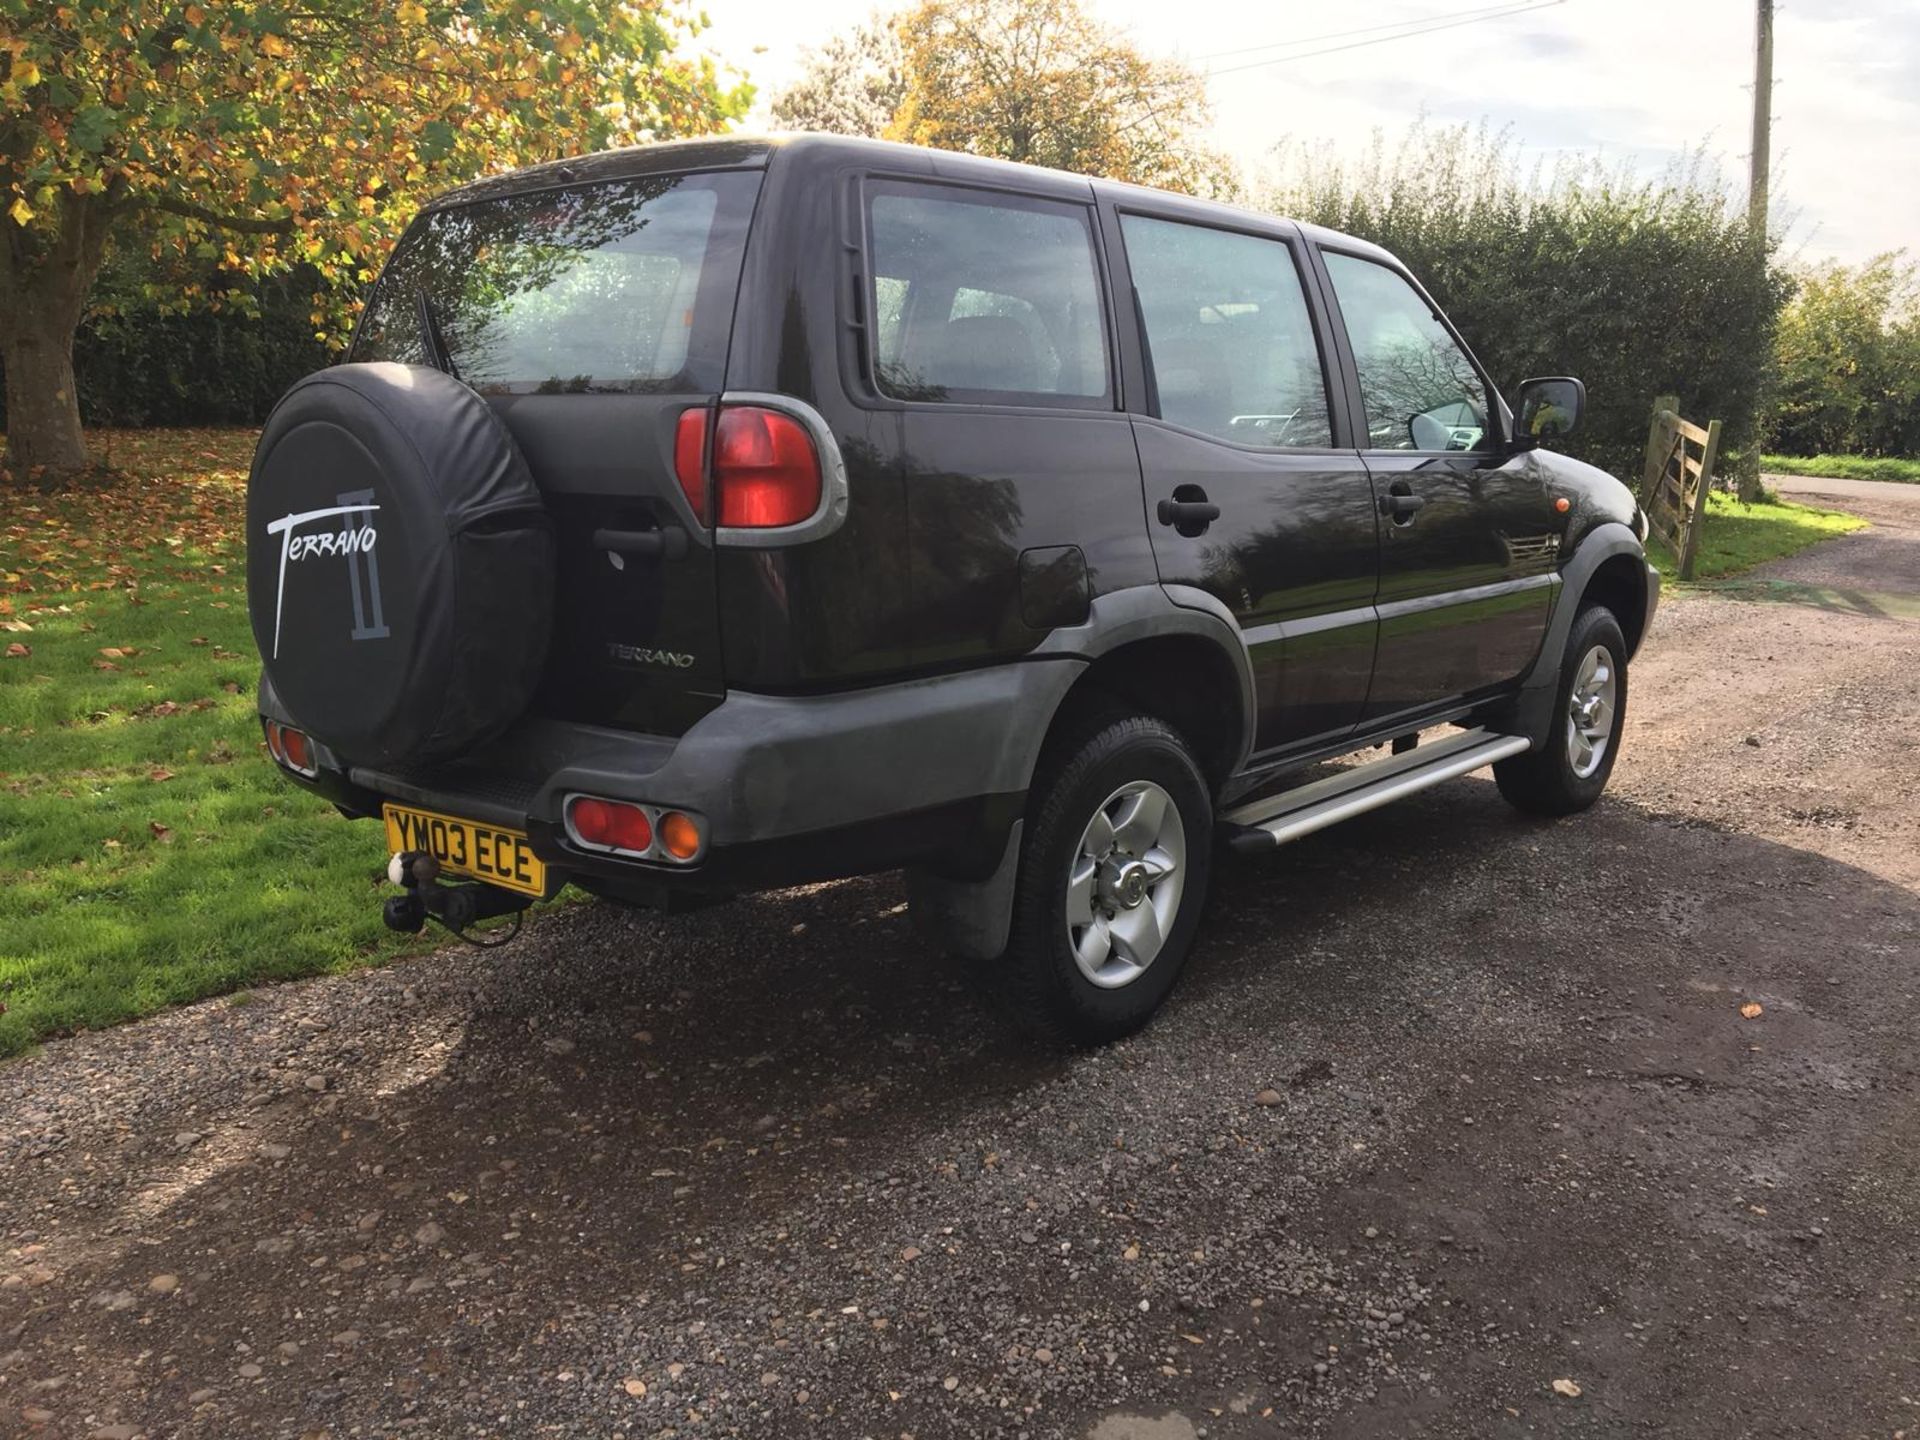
x=1635, y=80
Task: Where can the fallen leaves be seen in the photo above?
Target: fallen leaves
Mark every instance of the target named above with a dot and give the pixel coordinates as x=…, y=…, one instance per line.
x=176, y=502
x=1566, y=1388
x=1752, y=1010
x=17, y=651
x=162, y=833
x=159, y=774
x=634, y=1386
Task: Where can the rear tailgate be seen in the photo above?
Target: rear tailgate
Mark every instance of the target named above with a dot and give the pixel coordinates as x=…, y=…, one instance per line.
x=592, y=317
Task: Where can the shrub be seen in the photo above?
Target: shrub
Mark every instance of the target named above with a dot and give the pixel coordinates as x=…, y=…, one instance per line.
x=142, y=361
x=1640, y=287
x=1849, y=359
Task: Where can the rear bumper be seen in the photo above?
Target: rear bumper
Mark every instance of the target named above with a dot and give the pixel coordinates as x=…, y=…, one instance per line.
x=791, y=788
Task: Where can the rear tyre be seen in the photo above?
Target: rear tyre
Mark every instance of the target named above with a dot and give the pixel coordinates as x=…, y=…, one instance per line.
x=1113, y=874
x=1568, y=773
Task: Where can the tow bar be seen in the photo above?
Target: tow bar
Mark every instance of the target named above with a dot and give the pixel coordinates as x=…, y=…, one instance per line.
x=458, y=907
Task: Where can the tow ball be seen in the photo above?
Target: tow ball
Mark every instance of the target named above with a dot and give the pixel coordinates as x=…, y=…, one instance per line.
x=458, y=907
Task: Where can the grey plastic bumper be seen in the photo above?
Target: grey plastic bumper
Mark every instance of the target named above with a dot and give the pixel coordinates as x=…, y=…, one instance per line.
x=767, y=767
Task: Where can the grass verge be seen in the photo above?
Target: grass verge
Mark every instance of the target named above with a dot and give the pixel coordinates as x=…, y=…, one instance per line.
x=149, y=851
x=1844, y=467
x=1738, y=537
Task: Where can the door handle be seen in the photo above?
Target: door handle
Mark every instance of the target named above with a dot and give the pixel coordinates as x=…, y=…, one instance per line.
x=1189, y=511
x=1400, y=503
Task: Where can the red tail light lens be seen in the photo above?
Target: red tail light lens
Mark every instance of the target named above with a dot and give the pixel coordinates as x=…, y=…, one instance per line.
x=766, y=473
x=690, y=458
x=292, y=748
x=609, y=824
x=299, y=751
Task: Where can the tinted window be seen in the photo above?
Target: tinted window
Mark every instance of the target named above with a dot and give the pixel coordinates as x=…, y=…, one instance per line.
x=619, y=286
x=1228, y=334
x=1419, y=390
x=984, y=297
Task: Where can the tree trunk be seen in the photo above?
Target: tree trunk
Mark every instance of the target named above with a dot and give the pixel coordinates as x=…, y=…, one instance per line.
x=45, y=275
x=44, y=440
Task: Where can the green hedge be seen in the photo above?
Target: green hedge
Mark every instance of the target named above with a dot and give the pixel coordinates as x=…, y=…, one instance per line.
x=1639, y=287
x=1846, y=467
x=139, y=365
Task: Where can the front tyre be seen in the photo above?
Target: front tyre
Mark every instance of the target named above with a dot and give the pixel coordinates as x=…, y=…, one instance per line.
x=1569, y=772
x=1113, y=874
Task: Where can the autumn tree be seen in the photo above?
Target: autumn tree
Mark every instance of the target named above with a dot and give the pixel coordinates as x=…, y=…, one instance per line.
x=852, y=85
x=1042, y=81
x=261, y=134
x=1847, y=359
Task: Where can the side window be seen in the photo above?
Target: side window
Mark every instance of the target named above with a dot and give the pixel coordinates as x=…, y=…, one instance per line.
x=1419, y=390
x=1228, y=333
x=983, y=297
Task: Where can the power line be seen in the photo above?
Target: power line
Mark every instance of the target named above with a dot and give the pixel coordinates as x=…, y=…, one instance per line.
x=1503, y=6
x=1452, y=24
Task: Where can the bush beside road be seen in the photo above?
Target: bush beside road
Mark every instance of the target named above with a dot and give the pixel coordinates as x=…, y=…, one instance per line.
x=1845, y=467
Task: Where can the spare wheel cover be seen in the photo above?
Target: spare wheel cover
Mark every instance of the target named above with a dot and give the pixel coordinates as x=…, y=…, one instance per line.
x=400, y=566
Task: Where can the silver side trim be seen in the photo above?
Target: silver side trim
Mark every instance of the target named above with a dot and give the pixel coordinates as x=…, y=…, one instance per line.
x=832, y=511
x=1294, y=813
x=1416, y=604
x=1311, y=624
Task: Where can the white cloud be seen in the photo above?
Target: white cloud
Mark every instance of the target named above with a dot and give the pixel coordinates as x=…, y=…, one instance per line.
x=1639, y=81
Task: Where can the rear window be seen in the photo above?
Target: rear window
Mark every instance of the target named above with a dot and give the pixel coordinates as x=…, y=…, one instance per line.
x=623, y=286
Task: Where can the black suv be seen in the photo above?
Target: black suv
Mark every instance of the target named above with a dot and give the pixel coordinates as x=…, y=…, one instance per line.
x=731, y=514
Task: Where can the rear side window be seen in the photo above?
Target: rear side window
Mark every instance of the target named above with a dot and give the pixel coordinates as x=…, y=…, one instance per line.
x=1228, y=334
x=1420, y=390
x=984, y=298
x=622, y=286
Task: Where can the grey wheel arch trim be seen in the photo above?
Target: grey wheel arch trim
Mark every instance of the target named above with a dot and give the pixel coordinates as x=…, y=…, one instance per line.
x=1157, y=612
x=1602, y=543
x=972, y=919
x=1599, y=545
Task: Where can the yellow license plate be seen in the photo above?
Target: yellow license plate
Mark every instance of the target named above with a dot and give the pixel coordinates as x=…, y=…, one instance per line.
x=485, y=852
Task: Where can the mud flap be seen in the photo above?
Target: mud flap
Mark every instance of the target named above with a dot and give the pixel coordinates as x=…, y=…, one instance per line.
x=967, y=919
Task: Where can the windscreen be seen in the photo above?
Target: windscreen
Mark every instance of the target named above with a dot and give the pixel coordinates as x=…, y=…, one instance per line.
x=620, y=286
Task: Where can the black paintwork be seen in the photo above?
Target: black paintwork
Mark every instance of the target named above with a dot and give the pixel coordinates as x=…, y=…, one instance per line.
x=974, y=530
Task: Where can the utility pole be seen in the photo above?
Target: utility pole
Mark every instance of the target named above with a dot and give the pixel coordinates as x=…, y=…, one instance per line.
x=1761, y=153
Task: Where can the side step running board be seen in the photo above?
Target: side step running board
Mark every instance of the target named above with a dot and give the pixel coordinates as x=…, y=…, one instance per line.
x=1276, y=819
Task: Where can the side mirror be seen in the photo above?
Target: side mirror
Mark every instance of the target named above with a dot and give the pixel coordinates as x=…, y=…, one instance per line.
x=1548, y=409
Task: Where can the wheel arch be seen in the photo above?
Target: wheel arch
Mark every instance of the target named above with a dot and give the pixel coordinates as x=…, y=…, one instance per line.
x=1169, y=651
x=1172, y=652
x=1619, y=582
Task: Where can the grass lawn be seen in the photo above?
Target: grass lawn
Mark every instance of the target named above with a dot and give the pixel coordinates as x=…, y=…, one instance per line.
x=149, y=851
x=1737, y=537
x=1846, y=467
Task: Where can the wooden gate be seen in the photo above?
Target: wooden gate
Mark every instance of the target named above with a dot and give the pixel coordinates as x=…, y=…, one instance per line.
x=1673, y=491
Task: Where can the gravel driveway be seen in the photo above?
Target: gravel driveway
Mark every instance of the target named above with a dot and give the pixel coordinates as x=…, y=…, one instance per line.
x=1456, y=1128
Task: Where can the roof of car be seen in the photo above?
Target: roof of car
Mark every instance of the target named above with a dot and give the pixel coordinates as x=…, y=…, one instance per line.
x=755, y=151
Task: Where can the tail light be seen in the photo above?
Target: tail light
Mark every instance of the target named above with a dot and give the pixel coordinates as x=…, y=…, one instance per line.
x=610, y=825
x=690, y=459
x=766, y=472
x=679, y=836
x=642, y=832
x=292, y=748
